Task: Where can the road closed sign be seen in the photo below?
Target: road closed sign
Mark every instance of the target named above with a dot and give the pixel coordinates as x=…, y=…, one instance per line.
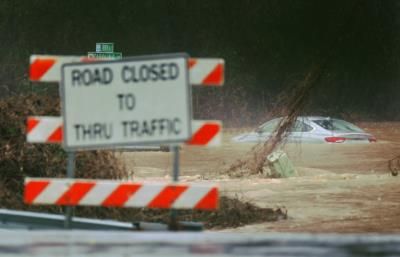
x=134, y=101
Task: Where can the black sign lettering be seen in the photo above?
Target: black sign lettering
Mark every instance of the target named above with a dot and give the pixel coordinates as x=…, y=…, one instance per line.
x=163, y=71
x=144, y=71
x=150, y=73
x=76, y=78
x=94, y=131
x=153, y=72
x=145, y=129
x=126, y=74
x=89, y=77
x=173, y=71
x=126, y=101
x=86, y=77
x=175, y=124
x=153, y=127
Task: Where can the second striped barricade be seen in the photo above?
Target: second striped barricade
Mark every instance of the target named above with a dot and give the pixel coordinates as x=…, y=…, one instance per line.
x=46, y=129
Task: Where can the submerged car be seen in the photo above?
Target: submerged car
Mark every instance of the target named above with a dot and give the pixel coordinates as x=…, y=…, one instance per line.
x=310, y=129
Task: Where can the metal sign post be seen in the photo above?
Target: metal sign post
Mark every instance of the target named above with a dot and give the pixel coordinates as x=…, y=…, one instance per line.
x=175, y=178
x=70, y=174
x=176, y=163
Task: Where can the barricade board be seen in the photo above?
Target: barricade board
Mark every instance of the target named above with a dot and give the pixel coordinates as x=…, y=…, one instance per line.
x=46, y=129
x=110, y=193
x=202, y=71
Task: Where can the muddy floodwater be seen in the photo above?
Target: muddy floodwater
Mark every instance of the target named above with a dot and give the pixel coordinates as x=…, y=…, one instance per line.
x=339, y=187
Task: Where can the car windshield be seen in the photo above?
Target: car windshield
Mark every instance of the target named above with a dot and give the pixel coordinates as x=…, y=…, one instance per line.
x=269, y=126
x=338, y=125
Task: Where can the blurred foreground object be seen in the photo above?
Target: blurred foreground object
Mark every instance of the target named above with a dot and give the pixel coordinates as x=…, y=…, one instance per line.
x=280, y=165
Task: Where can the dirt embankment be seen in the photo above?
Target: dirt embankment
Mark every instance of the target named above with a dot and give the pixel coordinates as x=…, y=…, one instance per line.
x=19, y=159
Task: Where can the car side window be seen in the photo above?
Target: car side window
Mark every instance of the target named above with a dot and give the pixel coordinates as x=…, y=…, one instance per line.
x=338, y=125
x=300, y=126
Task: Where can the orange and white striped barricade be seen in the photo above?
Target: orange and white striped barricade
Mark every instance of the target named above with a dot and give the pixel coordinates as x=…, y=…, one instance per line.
x=202, y=71
x=44, y=129
x=206, y=71
x=111, y=193
x=206, y=133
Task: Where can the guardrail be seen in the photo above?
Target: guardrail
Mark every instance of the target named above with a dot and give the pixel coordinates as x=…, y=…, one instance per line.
x=25, y=220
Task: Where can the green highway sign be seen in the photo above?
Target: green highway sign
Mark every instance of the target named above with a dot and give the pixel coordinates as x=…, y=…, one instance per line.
x=105, y=56
x=104, y=47
x=105, y=51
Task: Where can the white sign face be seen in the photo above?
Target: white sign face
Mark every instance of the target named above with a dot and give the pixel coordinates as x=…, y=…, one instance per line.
x=136, y=101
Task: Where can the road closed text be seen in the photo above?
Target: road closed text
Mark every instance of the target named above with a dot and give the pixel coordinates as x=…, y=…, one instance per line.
x=129, y=74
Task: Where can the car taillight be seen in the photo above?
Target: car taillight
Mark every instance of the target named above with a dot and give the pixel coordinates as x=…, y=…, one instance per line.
x=335, y=139
x=372, y=139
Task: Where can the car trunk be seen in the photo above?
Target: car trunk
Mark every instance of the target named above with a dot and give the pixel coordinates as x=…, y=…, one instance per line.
x=355, y=137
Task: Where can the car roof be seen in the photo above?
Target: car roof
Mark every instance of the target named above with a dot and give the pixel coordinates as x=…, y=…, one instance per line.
x=307, y=118
x=311, y=118
x=314, y=117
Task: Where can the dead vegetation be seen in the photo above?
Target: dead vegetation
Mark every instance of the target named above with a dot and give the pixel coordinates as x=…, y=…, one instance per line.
x=19, y=159
x=232, y=212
